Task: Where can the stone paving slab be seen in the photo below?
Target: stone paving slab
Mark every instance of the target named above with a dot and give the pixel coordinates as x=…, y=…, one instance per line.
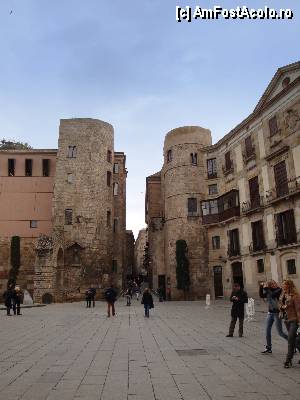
x=65, y=351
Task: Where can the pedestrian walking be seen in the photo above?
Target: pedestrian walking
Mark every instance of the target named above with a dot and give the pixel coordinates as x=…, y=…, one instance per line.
x=93, y=295
x=88, y=298
x=110, y=297
x=290, y=313
x=147, y=301
x=271, y=291
x=136, y=291
x=128, y=295
x=238, y=298
x=8, y=296
x=17, y=300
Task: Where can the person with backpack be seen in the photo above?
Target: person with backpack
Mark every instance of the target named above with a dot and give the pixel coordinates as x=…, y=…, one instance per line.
x=147, y=301
x=238, y=298
x=270, y=291
x=110, y=296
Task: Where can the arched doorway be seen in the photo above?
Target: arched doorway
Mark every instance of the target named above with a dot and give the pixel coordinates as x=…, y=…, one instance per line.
x=237, y=273
x=218, y=281
x=47, y=298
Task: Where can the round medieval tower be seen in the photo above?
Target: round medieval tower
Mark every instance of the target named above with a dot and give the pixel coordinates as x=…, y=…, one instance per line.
x=183, y=187
x=82, y=205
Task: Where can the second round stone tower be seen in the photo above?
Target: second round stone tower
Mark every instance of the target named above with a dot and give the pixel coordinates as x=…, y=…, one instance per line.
x=183, y=188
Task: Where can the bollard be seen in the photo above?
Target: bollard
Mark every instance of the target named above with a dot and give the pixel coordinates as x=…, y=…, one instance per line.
x=250, y=309
x=207, y=301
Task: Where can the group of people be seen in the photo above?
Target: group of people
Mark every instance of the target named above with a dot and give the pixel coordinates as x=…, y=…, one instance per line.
x=90, y=295
x=133, y=289
x=283, y=306
x=13, y=297
x=110, y=296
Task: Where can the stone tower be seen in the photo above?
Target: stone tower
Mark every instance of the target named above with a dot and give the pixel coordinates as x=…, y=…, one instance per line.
x=183, y=187
x=80, y=252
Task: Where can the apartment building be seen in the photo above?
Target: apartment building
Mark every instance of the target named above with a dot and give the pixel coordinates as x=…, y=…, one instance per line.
x=236, y=203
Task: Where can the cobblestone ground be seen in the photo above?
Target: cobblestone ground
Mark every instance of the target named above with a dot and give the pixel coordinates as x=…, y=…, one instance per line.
x=65, y=351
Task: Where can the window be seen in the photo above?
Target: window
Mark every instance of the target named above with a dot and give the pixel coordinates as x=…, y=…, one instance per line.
x=108, y=178
x=169, y=155
x=212, y=168
x=215, y=242
x=116, y=188
x=11, y=167
x=68, y=216
x=46, y=167
x=33, y=224
x=258, y=238
x=192, y=206
x=234, y=242
x=213, y=189
x=28, y=167
x=281, y=180
x=115, y=227
x=260, y=266
x=222, y=208
x=72, y=152
x=273, y=127
x=291, y=266
x=228, y=161
x=286, y=228
x=114, y=266
x=194, y=158
x=249, y=147
x=254, y=192
x=70, y=178
x=116, y=168
x=109, y=157
x=108, y=219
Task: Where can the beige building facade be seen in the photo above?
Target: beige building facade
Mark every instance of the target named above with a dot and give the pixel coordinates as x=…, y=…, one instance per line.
x=236, y=203
x=139, y=251
x=69, y=212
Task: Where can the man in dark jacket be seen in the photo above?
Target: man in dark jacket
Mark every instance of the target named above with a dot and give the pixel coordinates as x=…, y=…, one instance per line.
x=9, y=296
x=271, y=292
x=238, y=298
x=17, y=300
x=110, y=297
x=147, y=300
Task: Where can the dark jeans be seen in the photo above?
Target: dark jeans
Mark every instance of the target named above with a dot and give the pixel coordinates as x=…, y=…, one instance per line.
x=291, y=327
x=110, y=306
x=232, y=325
x=147, y=308
x=88, y=303
x=16, y=307
x=128, y=298
x=271, y=318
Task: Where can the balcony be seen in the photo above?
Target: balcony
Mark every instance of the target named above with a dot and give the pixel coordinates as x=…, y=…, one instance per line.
x=291, y=188
x=221, y=208
x=253, y=205
x=257, y=248
x=249, y=155
x=227, y=169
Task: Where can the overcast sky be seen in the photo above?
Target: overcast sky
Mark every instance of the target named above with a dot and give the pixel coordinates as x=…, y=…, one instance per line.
x=131, y=64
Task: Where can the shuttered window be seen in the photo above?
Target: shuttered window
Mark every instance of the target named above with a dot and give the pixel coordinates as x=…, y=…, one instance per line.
x=68, y=216
x=234, y=242
x=254, y=192
x=212, y=168
x=281, y=180
x=273, y=127
x=192, y=205
x=46, y=167
x=228, y=162
x=249, y=147
x=258, y=239
x=286, y=228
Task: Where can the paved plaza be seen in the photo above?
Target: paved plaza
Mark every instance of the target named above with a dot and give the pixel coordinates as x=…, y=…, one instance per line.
x=65, y=351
